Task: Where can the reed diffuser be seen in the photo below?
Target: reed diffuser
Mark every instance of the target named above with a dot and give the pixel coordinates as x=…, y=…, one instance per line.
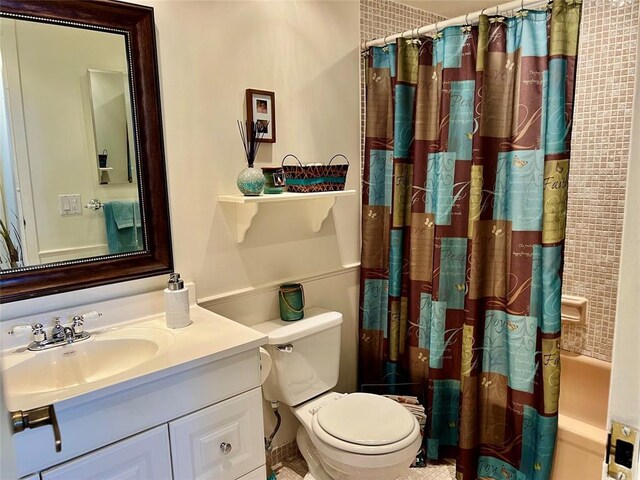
x=250, y=180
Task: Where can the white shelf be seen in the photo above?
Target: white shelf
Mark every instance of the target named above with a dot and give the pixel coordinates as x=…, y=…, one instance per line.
x=246, y=207
x=102, y=169
x=281, y=197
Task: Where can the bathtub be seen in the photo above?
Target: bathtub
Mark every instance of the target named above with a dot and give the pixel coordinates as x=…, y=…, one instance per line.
x=582, y=435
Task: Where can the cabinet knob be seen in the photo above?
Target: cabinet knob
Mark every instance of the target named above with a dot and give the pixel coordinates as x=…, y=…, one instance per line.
x=225, y=448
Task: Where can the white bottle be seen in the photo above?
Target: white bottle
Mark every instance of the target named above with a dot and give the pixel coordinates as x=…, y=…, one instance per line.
x=176, y=303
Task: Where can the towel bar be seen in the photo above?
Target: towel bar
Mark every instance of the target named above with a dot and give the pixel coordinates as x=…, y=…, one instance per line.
x=94, y=204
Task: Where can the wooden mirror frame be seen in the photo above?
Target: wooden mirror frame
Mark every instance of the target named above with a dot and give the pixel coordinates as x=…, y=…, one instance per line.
x=137, y=23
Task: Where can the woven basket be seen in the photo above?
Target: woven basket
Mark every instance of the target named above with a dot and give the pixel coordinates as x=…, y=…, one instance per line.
x=315, y=178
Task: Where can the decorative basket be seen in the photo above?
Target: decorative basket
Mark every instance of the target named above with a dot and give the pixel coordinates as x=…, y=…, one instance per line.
x=315, y=178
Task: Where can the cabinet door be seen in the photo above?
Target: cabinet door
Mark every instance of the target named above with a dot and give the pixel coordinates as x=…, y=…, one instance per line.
x=222, y=442
x=257, y=474
x=141, y=457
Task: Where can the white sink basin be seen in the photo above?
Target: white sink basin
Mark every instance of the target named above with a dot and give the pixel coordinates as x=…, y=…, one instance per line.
x=106, y=354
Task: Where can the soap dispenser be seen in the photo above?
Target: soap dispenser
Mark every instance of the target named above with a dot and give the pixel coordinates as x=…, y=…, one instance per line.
x=176, y=302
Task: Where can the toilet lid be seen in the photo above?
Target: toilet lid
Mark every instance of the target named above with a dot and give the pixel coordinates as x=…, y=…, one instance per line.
x=380, y=420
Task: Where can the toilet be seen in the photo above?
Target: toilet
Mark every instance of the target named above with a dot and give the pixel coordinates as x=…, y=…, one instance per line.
x=342, y=436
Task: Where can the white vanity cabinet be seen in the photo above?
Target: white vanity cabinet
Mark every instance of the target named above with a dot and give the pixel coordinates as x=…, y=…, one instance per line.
x=212, y=414
x=193, y=410
x=219, y=442
x=142, y=457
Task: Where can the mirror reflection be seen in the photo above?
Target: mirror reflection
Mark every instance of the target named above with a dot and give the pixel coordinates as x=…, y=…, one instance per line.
x=68, y=169
x=110, y=111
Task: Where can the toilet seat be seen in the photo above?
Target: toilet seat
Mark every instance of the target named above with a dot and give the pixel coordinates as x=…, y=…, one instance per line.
x=334, y=424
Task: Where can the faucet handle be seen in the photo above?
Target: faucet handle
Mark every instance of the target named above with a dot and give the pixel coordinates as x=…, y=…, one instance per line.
x=20, y=330
x=39, y=335
x=86, y=316
x=37, y=330
x=78, y=321
x=77, y=325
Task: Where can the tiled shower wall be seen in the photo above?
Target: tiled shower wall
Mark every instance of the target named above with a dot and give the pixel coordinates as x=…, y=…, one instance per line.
x=601, y=135
x=383, y=17
x=597, y=179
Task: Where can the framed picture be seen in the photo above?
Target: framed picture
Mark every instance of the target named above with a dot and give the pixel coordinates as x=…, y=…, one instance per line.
x=261, y=108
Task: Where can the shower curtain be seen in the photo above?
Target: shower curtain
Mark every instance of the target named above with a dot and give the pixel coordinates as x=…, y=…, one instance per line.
x=464, y=207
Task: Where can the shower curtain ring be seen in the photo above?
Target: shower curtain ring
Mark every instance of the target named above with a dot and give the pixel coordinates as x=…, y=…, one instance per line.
x=418, y=41
x=497, y=10
x=521, y=4
x=466, y=19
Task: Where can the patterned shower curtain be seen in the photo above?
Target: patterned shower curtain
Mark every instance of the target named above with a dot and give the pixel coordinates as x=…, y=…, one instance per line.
x=464, y=211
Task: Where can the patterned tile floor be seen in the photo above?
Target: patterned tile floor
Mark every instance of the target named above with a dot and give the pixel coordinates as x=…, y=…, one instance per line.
x=295, y=468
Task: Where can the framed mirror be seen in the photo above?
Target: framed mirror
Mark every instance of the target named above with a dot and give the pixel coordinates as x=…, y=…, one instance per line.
x=83, y=197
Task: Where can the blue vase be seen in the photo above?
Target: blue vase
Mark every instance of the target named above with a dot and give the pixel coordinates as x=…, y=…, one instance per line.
x=251, y=181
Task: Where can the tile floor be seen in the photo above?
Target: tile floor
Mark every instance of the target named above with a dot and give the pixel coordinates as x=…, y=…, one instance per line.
x=294, y=468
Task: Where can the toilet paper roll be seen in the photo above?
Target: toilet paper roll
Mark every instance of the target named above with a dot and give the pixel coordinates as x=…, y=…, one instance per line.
x=265, y=365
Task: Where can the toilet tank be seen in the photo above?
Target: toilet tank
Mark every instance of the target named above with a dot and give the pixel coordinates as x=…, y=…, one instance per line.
x=305, y=356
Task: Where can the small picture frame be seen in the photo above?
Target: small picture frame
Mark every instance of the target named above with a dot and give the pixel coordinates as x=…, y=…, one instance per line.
x=278, y=179
x=261, y=108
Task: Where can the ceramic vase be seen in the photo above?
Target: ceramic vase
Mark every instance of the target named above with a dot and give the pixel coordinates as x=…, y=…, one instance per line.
x=251, y=181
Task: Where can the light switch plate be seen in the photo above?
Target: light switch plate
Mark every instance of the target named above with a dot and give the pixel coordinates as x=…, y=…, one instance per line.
x=74, y=203
x=70, y=204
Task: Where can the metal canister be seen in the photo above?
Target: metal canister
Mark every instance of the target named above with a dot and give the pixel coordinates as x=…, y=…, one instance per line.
x=291, y=298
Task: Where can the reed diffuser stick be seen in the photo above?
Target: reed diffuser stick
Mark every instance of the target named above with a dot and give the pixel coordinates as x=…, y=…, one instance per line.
x=251, y=139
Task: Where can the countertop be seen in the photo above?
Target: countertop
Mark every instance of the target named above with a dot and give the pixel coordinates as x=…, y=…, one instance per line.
x=209, y=338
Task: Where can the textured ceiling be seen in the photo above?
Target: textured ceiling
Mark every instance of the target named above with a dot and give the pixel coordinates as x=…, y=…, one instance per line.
x=451, y=8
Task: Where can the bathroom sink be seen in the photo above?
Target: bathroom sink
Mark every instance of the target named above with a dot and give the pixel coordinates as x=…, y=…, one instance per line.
x=106, y=354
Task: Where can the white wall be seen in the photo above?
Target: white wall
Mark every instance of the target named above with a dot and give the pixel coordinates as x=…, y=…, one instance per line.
x=307, y=53
x=210, y=52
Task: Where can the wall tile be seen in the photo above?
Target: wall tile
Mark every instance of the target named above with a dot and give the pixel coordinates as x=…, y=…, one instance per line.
x=599, y=157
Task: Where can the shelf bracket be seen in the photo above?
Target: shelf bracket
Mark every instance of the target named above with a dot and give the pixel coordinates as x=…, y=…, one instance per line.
x=244, y=218
x=319, y=210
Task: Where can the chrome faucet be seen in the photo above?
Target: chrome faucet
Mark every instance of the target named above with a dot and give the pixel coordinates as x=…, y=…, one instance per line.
x=69, y=336
x=57, y=332
x=60, y=335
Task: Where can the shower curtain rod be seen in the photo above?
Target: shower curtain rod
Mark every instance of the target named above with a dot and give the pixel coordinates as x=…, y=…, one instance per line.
x=461, y=20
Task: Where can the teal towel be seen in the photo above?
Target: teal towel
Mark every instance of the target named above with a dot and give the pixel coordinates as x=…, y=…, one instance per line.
x=126, y=213
x=122, y=239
